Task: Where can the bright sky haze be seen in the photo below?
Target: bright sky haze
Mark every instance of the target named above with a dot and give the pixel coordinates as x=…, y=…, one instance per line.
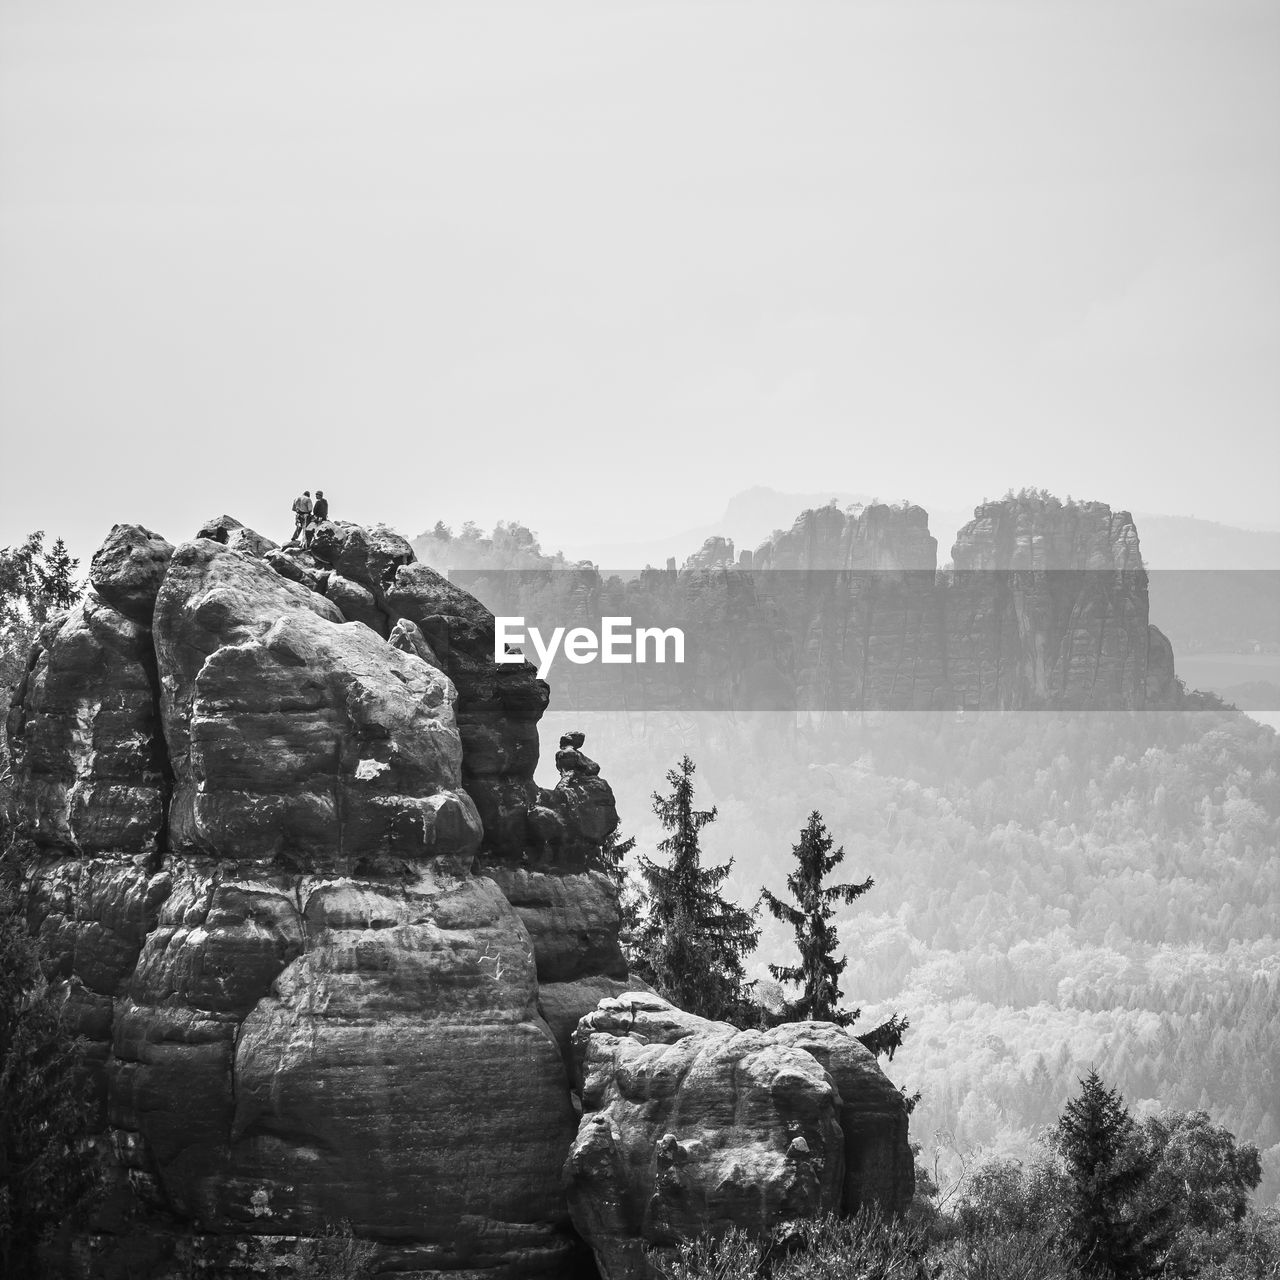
x=597, y=266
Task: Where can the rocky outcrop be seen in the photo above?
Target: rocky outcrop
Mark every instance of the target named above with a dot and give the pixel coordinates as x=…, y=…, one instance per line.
x=297, y=736
x=127, y=570
x=1045, y=606
x=331, y=945
x=715, y=553
x=253, y=850
x=876, y=537
x=91, y=769
x=690, y=1125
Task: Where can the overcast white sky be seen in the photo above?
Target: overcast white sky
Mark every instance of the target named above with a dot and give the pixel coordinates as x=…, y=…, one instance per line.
x=599, y=265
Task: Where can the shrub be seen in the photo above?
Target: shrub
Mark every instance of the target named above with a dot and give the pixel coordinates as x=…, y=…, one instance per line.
x=866, y=1247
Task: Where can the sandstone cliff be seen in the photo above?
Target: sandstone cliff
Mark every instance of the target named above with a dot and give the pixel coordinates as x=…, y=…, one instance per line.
x=256, y=787
x=1044, y=606
x=327, y=938
x=690, y=1125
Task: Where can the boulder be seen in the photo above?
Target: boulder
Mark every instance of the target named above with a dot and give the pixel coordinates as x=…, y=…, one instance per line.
x=879, y=1166
x=691, y=1126
x=294, y=563
x=356, y=603
x=127, y=570
x=408, y=638
x=231, y=533
x=294, y=735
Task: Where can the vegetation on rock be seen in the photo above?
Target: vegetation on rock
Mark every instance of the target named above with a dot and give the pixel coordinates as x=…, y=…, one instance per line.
x=1108, y=1199
x=46, y=1168
x=691, y=942
x=809, y=914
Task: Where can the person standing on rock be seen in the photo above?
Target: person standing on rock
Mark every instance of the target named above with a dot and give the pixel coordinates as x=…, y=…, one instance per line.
x=319, y=511
x=301, y=513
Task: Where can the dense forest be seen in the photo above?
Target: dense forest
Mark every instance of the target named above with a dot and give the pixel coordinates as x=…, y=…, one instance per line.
x=1052, y=893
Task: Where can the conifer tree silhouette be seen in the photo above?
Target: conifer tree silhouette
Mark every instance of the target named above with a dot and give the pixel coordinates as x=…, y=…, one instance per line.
x=692, y=941
x=809, y=914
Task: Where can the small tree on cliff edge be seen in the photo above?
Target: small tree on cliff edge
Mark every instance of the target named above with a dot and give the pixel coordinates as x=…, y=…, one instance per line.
x=818, y=972
x=691, y=943
x=809, y=915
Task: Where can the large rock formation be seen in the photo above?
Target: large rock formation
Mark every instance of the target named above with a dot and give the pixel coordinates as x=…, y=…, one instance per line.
x=268, y=845
x=1045, y=605
x=690, y=1125
x=329, y=941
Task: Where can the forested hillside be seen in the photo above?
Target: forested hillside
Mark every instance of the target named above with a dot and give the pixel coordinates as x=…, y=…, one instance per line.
x=1052, y=893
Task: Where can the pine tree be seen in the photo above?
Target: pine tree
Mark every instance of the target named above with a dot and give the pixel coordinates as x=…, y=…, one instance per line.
x=35, y=583
x=1111, y=1223
x=57, y=577
x=809, y=915
x=692, y=941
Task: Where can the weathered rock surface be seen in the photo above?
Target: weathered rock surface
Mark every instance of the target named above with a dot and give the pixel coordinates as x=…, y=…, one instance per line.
x=90, y=768
x=127, y=570
x=329, y=942
x=498, y=706
x=1046, y=605
x=690, y=1125
x=253, y=854
x=238, y=537
x=296, y=736
x=878, y=1165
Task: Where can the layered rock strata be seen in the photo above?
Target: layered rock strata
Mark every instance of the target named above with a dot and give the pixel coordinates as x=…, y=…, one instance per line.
x=274, y=888
x=331, y=946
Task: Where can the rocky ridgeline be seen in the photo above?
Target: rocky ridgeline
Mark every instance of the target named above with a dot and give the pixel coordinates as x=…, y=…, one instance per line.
x=1045, y=605
x=332, y=946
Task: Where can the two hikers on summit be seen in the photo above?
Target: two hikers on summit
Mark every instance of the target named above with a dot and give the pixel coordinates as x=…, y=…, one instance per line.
x=308, y=514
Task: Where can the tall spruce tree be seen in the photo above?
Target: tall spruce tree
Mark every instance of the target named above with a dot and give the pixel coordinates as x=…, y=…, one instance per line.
x=691, y=942
x=1112, y=1225
x=809, y=915
x=57, y=576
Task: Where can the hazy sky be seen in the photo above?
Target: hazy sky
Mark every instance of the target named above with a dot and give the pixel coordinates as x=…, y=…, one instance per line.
x=597, y=266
